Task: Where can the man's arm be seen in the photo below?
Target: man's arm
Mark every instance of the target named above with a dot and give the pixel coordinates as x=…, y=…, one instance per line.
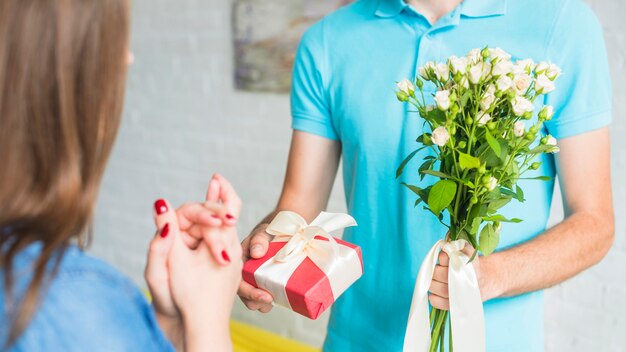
x=581, y=240
x=311, y=171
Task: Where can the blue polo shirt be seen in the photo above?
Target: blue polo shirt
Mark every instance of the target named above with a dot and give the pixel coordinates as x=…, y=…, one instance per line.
x=343, y=89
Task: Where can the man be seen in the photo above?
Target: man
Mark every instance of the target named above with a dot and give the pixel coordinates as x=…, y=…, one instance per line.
x=343, y=106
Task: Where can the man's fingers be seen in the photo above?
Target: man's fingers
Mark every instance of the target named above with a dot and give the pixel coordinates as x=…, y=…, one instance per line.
x=266, y=309
x=439, y=302
x=251, y=293
x=444, y=259
x=259, y=243
x=438, y=288
x=255, y=305
x=441, y=274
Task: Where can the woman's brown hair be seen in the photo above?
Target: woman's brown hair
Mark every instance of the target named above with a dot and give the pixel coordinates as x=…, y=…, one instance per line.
x=62, y=76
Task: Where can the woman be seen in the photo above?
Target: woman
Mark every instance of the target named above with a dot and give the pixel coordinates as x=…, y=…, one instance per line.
x=63, y=66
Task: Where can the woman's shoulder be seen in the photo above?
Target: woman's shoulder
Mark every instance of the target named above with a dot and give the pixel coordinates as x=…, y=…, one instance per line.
x=89, y=305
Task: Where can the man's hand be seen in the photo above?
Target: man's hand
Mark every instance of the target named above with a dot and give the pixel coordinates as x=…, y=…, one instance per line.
x=438, y=291
x=255, y=246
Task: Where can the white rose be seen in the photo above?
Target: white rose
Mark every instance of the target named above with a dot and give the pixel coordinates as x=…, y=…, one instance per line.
x=422, y=72
x=553, y=71
x=483, y=118
x=521, y=82
x=430, y=108
x=406, y=86
x=458, y=64
x=519, y=128
x=552, y=142
x=491, y=89
x=486, y=70
x=440, y=136
x=487, y=100
x=521, y=106
x=502, y=68
x=498, y=53
x=523, y=66
x=504, y=83
x=442, y=98
x=475, y=73
x=547, y=112
x=543, y=84
x=541, y=67
x=442, y=71
x=427, y=70
x=493, y=182
x=464, y=82
x=474, y=56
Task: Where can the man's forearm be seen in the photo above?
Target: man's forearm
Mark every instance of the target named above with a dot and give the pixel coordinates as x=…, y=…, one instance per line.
x=565, y=250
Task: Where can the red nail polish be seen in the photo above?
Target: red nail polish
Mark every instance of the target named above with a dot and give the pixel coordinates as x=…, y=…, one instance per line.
x=215, y=216
x=229, y=217
x=225, y=256
x=160, y=206
x=165, y=231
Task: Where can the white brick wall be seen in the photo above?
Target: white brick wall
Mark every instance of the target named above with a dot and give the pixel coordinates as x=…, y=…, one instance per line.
x=184, y=121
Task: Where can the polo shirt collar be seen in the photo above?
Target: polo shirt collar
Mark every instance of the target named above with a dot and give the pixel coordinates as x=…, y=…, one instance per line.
x=469, y=8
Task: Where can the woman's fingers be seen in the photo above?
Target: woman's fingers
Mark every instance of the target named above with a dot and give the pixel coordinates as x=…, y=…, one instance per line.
x=207, y=214
x=227, y=194
x=156, y=272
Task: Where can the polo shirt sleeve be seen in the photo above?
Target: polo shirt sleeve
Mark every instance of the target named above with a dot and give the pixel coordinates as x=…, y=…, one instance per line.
x=309, y=97
x=582, y=99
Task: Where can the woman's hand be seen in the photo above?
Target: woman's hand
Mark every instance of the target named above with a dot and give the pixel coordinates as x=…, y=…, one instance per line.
x=193, y=292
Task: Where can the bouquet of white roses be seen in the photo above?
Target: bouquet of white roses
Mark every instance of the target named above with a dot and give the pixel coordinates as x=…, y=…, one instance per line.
x=485, y=135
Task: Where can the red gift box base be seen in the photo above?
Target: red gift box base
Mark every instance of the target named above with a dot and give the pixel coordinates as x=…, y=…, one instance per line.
x=308, y=289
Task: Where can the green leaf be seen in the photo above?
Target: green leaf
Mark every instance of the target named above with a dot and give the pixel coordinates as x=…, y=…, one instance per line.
x=519, y=193
x=435, y=173
x=425, y=166
x=489, y=239
x=493, y=143
x=501, y=218
x=441, y=195
x=541, y=178
x=421, y=192
x=475, y=226
x=497, y=204
x=508, y=192
x=468, y=162
x=464, y=98
x=406, y=161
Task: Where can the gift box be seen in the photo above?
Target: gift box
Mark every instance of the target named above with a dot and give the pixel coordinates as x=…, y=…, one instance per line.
x=305, y=268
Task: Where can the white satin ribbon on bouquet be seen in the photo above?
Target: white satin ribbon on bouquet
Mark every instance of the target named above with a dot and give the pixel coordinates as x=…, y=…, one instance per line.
x=327, y=254
x=466, y=306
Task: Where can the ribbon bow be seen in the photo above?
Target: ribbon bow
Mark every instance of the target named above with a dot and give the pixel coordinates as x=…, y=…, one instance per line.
x=466, y=307
x=301, y=238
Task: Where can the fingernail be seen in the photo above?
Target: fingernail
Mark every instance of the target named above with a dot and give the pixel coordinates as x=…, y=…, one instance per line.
x=266, y=299
x=215, y=216
x=225, y=256
x=160, y=206
x=229, y=217
x=256, y=248
x=165, y=231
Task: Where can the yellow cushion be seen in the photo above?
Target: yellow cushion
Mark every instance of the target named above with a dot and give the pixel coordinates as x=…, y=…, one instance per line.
x=251, y=339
